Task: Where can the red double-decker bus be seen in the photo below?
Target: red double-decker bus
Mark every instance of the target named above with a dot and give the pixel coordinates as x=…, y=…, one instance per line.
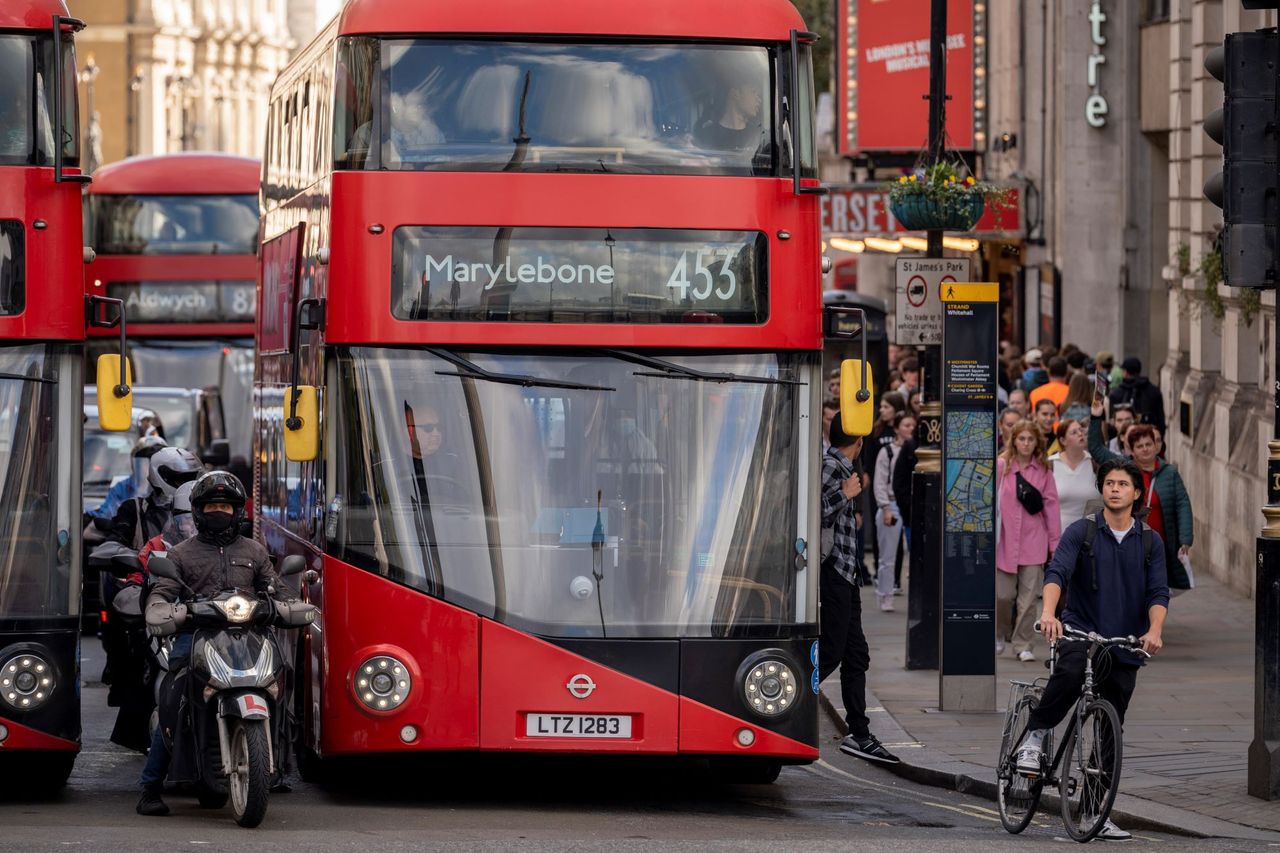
x=546, y=279
x=42, y=337
x=175, y=236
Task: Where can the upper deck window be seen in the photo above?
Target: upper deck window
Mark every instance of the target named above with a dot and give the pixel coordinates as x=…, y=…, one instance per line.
x=26, y=102
x=538, y=107
x=173, y=224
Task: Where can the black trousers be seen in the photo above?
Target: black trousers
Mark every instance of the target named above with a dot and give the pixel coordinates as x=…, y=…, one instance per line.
x=1113, y=681
x=841, y=643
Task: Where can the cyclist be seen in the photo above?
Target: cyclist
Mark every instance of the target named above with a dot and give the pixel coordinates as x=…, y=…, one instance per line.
x=1116, y=586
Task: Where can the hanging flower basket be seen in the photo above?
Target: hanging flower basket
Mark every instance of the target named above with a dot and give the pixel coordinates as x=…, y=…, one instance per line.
x=919, y=212
x=938, y=198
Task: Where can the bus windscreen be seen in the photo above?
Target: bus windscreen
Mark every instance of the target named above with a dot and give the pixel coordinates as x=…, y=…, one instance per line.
x=579, y=275
x=173, y=224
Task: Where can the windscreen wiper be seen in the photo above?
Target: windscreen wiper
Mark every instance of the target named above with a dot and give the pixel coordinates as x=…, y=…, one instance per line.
x=22, y=377
x=671, y=370
x=471, y=370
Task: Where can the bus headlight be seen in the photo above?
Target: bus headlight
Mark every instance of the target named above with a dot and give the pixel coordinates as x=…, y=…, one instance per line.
x=382, y=683
x=769, y=685
x=26, y=681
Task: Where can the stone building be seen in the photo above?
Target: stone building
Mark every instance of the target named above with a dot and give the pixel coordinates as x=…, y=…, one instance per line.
x=1219, y=372
x=177, y=75
x=1069, y=117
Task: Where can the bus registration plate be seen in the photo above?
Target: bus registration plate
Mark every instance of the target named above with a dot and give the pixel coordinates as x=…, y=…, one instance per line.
x=578, y=725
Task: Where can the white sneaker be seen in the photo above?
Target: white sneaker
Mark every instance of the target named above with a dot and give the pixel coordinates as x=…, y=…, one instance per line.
x=1026, y=656
x=886, y=603
x=1028, y=761
x=999, y=647
x=1111, y=832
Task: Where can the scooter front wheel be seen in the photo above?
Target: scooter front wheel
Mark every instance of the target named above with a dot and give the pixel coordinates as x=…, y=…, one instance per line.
x=250, y=772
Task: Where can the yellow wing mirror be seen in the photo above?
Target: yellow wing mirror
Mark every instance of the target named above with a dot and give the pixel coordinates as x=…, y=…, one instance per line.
x=857, y=397
x=857, y=388
x=115, y=393
x=302, y=423
x=302, y=427
x=115, y=374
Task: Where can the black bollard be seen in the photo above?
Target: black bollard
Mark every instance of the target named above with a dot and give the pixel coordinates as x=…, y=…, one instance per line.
x=924, y=592
x=1264, y=752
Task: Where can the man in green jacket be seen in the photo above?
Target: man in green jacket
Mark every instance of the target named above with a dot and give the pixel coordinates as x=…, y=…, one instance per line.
x=1165, y=496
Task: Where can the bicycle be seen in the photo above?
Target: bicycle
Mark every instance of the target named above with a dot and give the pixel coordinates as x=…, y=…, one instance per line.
x=1090, y=778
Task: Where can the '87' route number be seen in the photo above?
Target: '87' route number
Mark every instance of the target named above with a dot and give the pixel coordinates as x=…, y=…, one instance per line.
x=704, y=280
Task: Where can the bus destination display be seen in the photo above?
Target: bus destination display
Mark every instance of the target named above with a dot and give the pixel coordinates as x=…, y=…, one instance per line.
x=586, y=275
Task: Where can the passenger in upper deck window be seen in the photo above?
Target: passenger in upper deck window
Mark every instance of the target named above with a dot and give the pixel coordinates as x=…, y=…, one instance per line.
x=737, y=127
x=13, y=129
x=413, y=131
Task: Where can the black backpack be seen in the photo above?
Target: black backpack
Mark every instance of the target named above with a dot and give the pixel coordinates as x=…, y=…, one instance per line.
x=1086, y=549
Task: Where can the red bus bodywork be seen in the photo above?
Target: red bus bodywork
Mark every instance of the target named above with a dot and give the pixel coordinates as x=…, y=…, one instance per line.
x=49, y=213
x=186, y=173
x=476, y=678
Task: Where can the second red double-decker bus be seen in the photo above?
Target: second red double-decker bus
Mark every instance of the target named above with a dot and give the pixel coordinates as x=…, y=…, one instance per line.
x=546, y=279
x=42, y=335
x=175, y=236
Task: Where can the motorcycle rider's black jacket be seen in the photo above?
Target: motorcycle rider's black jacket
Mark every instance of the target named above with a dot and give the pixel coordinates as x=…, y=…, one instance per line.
x=209, y=569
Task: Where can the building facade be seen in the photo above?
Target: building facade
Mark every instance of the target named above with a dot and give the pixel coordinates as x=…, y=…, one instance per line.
x=1218, y=377
x=178, y=75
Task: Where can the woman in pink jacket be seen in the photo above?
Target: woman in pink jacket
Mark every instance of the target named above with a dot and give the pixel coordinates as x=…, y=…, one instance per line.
x=1026, y=538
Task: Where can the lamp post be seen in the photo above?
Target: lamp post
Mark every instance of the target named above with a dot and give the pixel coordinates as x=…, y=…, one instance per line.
x=93, y=131
x=925, y=590
x=135, y=107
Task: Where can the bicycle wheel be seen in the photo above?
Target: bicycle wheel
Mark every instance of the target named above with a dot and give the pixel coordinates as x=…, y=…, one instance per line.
x=1016, y=795
x=1091, y=771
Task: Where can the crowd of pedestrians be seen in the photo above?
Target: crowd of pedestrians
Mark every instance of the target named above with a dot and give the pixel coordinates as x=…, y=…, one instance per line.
x=1061, y=415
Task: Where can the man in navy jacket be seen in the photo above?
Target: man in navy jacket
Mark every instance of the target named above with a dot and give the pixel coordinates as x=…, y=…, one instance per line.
x=1122, y=590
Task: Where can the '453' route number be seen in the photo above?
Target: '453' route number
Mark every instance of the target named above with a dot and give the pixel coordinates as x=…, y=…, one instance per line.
x=704, y=280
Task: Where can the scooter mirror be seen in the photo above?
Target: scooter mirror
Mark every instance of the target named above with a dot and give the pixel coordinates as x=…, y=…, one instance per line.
x=125, y=564
x=292, y=565
x=160, y=567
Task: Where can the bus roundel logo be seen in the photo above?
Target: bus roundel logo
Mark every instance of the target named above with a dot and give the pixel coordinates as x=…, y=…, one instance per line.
x=581, y=686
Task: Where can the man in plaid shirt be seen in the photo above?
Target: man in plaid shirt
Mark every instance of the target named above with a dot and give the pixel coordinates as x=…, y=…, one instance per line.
x=841, y=641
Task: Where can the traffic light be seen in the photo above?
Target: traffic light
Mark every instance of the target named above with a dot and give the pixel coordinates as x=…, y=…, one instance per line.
x=1246, y=189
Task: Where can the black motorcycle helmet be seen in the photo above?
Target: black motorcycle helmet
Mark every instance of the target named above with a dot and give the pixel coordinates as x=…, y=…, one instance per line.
x=218, y=487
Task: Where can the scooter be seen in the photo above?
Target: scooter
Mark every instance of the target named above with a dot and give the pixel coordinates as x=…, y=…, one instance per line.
x=226, y=735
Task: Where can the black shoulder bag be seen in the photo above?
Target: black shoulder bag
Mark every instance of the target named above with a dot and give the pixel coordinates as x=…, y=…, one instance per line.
x=1028, y=495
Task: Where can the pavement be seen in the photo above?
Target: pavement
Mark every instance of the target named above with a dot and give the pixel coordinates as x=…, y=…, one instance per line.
x=1186, y=736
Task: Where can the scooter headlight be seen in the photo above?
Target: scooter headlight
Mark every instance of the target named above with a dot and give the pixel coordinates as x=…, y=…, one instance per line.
x=382, y=683
x=238, y=609
x=26, y=681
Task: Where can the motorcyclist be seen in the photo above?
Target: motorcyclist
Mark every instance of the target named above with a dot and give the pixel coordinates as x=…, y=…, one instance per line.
x=180, y=528
x=140, y=519
x=216, y=559
x=135, y=522
x=136, y=485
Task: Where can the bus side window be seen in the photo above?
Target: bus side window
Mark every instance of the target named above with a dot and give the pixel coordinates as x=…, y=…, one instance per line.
x=355, y=98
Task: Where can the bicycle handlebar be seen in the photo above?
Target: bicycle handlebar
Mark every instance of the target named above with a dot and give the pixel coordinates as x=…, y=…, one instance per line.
x=1130, y=642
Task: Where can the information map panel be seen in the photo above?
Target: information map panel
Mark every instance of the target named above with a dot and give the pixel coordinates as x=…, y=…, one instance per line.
x=970, y=317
